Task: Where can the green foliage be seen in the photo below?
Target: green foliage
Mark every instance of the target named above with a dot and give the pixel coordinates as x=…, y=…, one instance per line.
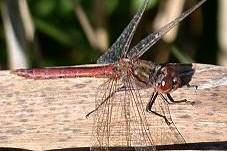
x=137, y=3
x=62, y=40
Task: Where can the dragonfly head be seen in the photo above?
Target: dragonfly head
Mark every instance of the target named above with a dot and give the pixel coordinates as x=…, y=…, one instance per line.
x=167, y=80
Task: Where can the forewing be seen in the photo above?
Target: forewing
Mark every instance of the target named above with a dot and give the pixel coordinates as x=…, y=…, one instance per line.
x=151, y=39
x=120, y=47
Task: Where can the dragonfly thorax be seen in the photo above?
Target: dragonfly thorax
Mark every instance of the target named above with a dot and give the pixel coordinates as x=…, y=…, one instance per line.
x=163, y=78
x=141, y=71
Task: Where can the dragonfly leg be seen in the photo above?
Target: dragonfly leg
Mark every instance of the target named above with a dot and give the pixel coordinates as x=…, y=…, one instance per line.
x=170, y=98
x=122, y=88
x=98, y=106
x=150, y=104
x=192, y=86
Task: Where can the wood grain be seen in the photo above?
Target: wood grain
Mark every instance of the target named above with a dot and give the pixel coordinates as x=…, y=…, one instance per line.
x=50, y=114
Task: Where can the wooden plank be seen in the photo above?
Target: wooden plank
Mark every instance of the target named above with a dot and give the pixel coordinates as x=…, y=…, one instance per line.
x=50, y=114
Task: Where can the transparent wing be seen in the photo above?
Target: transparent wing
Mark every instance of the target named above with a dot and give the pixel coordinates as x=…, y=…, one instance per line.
x=120, y=47
x=123, y=122
x=102, y=127
x=151, y=39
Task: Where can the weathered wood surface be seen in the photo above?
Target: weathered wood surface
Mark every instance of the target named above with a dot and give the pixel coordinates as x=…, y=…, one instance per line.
x=50, y=114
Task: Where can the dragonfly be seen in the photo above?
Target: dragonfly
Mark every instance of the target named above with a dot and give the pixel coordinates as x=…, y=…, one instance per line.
x=123, y=116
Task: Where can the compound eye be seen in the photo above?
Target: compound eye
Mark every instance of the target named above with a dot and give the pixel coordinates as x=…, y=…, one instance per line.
x=165, y=86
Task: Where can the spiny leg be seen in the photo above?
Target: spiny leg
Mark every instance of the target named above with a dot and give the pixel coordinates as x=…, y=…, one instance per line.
x=192, y=86
x=122, y=88
x=169, y=99
x=149, y=107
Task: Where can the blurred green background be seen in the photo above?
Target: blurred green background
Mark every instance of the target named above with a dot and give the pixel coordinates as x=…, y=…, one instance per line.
x=69, y=32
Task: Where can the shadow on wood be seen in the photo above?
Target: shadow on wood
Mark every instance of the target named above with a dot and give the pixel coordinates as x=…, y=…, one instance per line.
x=190, y=146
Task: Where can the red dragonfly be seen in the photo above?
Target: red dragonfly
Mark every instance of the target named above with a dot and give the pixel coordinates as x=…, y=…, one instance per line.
x=123, y=116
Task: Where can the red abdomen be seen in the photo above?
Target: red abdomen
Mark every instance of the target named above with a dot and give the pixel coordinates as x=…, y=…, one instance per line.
x=67, y=72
